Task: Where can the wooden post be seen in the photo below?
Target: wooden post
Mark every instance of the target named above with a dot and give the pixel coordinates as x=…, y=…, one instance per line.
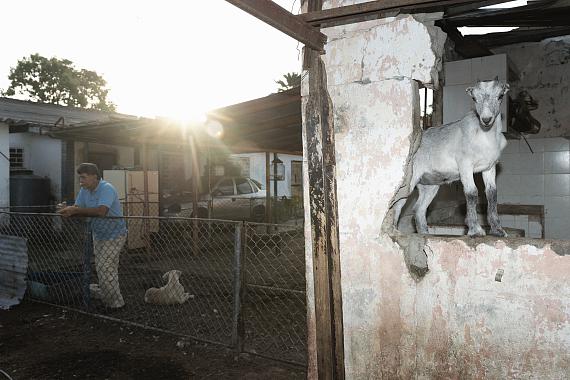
x=195, y=190
x=268, y=210
x=146, y=213
x=324, y=222
x=238, y=276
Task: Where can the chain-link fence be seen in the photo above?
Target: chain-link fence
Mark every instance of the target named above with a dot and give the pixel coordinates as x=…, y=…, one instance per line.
x=283, y=210
x=239, y=284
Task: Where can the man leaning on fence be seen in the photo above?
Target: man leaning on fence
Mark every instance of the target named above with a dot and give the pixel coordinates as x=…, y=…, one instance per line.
x=97, y=199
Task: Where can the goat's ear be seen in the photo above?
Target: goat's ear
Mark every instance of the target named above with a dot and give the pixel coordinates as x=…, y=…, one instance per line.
x=165, y=276
x=469, y=91
x=506, y=88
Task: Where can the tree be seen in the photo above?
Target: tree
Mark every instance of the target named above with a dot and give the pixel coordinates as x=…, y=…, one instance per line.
x=290, y=81
x=57, y=81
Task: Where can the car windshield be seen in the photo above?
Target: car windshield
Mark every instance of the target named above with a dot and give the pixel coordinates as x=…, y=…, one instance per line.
x=243, y=186
x=259, y=186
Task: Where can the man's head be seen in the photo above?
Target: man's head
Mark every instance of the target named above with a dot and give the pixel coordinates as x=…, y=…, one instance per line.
x=88, y=175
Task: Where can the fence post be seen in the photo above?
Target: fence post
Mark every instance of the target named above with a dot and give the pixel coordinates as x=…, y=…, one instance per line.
x=87, y=254
x=237, y=321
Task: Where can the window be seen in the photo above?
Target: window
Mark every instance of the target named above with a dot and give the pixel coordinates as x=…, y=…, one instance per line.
x=243, y=186
x=225, y=187
x=16, y=157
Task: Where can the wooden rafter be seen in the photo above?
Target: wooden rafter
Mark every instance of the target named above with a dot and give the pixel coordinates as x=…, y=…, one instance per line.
x=278, y=17
x=376, y=9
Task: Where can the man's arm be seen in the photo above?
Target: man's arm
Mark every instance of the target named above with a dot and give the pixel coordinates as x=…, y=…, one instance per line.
x=84, y=211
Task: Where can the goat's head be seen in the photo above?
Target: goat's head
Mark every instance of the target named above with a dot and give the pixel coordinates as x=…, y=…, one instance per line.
x=172, y=276
x=488, y=96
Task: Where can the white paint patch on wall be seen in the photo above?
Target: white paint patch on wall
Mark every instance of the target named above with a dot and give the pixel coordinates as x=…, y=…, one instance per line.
x=4, y=165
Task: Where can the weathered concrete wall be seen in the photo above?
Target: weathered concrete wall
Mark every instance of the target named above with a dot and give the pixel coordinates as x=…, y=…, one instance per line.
x=456, y=322
x=545, y=73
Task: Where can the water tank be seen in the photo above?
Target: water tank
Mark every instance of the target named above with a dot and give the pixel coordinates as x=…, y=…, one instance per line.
x=27, y=189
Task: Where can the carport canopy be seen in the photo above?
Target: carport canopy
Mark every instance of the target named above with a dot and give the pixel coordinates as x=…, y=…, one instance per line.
x=269, y=124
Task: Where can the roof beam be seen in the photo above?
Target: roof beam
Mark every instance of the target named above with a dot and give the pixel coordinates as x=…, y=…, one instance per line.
x=517, y=36
x=283, y=20
x=366, y=11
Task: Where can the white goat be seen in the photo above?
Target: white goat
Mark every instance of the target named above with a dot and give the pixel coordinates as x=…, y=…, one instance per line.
x=170, y=294
x=457, y=150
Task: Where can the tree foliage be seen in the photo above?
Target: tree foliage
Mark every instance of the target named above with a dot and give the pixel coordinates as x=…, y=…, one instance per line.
x=57, y=81
x=289, y=81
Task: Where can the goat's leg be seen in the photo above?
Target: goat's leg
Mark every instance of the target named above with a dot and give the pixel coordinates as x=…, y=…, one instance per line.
x=491, y=192
x=470, y=190
x=426, y=193
x=398, y=210
x=400, y=203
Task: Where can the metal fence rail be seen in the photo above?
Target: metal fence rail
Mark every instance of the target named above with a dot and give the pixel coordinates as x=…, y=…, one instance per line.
x=243, y=283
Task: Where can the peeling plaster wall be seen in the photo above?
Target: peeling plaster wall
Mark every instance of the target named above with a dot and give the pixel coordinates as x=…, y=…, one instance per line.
x=456, y=322
x=545, y=73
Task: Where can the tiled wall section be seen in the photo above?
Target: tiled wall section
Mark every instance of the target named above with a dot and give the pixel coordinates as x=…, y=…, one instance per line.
x=539, y=178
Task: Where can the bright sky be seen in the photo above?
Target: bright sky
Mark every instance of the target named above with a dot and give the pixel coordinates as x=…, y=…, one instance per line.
x=174, y=58
x=170, y=58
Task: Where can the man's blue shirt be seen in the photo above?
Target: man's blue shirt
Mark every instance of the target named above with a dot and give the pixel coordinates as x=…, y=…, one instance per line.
x=104, y=195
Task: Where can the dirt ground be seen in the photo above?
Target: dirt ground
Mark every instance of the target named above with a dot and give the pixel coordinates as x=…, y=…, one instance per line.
x=38, y=341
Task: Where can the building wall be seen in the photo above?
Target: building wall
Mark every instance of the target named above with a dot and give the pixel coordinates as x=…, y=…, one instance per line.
x=545, y=73
x=461, y=320
x=42, y=154
x=4, y=165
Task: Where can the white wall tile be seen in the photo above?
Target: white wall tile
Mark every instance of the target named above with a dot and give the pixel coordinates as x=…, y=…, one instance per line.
x=532, y=199
x=557, y=207
x=508, y=184
x=532, y=184
x=521, y=221
x=557, y=228
x=509, y=163
x=507, y=220
x=537, y=145
x=457, y=72
x=531, y=163
x=557, y=162
x=512, y=147
x=556, y=144
x=556, y=184
x=535, y=229
x=510, y=199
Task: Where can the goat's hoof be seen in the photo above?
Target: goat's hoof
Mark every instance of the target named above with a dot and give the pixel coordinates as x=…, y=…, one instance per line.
x=498, y=232
x=476, y=232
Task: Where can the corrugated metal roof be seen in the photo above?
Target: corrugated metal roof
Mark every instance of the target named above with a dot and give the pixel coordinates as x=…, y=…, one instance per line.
x=21, y=112
x=13, y=268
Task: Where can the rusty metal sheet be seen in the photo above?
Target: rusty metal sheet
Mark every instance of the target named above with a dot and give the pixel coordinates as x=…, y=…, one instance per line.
x=13, y=269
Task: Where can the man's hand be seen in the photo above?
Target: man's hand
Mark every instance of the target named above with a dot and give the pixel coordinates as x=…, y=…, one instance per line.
x=68, y=211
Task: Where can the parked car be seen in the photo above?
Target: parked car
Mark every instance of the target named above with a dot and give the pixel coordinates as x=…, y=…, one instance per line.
x=231, y=198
